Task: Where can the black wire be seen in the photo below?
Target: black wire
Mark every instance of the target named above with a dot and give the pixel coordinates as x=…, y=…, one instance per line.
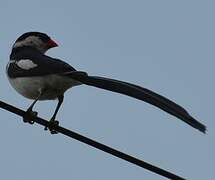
x=94, y=144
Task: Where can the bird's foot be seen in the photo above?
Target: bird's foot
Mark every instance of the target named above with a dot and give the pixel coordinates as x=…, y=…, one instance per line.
x=52, y=123
x=29, y=116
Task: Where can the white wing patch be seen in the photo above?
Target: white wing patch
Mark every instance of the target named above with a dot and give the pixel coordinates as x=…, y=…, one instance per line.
x=26, y=64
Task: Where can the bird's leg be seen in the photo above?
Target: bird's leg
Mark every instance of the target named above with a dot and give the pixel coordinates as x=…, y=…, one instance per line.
x=52, y=121
x=30, y=114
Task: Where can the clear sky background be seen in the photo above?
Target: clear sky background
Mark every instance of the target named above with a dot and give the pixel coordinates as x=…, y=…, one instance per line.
x=167, y=46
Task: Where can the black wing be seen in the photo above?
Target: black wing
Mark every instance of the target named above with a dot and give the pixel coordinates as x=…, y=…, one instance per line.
x=139, y=93
x=44, y=65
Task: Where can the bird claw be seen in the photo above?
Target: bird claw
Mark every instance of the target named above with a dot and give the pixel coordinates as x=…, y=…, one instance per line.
x=30, y=116
x=52, y=123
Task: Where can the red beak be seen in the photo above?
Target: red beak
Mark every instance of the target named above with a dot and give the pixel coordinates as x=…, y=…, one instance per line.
x=51, y=44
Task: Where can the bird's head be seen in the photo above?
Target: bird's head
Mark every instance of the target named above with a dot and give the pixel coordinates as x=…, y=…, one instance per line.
x=37, y=40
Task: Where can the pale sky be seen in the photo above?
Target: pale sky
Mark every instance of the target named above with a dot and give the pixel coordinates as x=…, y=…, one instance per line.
x=166, y=46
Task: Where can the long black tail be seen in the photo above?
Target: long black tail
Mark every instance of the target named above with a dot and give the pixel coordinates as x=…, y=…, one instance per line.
x=138, y=93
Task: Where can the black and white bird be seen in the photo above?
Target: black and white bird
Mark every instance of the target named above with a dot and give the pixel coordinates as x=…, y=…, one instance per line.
x=40, y=77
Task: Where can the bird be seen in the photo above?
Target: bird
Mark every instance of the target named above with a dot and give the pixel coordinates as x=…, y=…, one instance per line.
x=38, y=76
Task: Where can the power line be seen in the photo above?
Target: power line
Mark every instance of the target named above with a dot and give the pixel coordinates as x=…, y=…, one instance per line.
x=94, y=144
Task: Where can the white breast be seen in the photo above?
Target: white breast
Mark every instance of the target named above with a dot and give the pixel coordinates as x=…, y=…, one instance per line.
x=52, y=85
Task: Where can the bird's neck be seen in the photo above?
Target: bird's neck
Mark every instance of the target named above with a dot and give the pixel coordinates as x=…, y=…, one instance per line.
x=23, y=50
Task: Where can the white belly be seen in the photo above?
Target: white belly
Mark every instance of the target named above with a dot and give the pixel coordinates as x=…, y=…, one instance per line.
x=51, y=85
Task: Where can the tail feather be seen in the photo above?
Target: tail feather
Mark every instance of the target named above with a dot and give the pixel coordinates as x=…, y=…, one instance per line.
x=138, y=93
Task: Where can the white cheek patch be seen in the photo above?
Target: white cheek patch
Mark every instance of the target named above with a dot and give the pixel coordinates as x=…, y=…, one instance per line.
x=26, y=64
x=29, y=41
